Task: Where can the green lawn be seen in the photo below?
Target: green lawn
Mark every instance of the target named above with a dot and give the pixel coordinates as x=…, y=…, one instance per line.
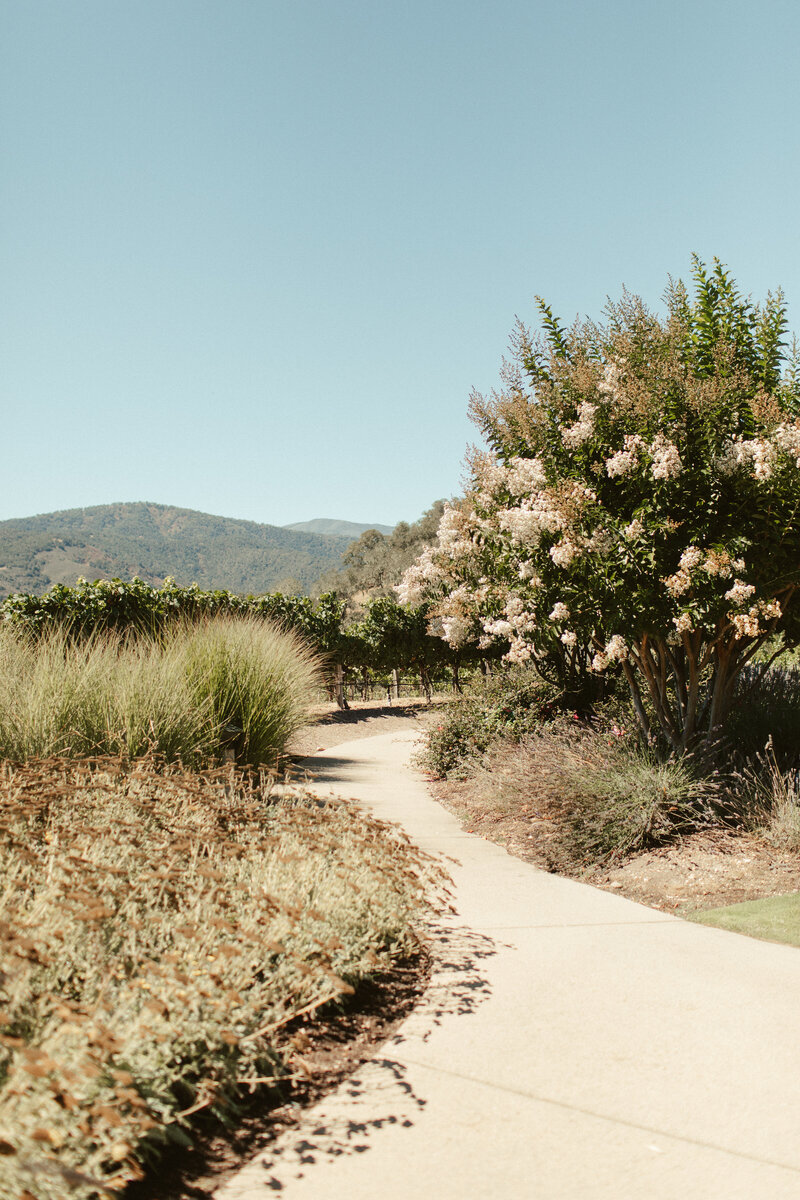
x=776, y=919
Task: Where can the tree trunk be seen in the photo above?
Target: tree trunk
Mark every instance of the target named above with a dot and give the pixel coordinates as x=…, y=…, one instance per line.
x=338, y=687
x=396, y=677
x=636, y=696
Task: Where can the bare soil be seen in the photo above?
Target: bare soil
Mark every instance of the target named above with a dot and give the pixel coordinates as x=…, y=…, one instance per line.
x=365, y=718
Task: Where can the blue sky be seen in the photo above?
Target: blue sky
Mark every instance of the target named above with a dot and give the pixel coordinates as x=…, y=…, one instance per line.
x=256, y=254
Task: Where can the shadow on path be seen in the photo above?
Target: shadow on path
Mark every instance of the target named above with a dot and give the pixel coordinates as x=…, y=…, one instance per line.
x=345, y=1122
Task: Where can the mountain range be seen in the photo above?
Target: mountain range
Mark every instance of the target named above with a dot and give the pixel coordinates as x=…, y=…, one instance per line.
x=351, y=529
x=155, y=540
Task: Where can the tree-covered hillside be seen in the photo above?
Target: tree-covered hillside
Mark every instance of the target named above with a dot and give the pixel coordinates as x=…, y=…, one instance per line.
x=373, y=565
x=154, y=541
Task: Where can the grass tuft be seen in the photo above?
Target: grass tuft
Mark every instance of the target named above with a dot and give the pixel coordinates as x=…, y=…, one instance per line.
x=256, y=679
x=771, y=797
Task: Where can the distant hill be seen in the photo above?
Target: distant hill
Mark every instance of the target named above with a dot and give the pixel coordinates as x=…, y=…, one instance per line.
x=348, y=529
x=153, y=541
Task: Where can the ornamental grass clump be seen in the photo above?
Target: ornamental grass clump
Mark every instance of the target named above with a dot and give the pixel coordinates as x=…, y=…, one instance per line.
x=771, y=794
x=256, y=679
x=158, y=930
x=101, y=694
x=229, y=683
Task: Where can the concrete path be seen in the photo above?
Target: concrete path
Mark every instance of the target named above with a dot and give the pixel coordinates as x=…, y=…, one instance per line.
x=573, y=1045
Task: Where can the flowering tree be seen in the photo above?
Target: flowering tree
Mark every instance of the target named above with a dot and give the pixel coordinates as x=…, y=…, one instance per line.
x=638, y=503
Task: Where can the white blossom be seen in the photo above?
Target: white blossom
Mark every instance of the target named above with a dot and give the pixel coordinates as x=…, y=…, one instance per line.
x=740, y=592
x=579, y=493
x=626, y=459
x=678, y=583
x=681, y=581
x=569, y=638
x=528, y=572
x=718, y=562
x=560, y=612
x=521, y=620
x=456, y=630
x=535, y=516
x=575, y=435
x=634, y=530
x=691, y=558
x=611, y=384
x=419, y=578
x=564, y=552
x=519, y=652
x=748, y=624
x=787, y=438
x=666, y=459
x=492, y=476
x=756, y=455
x=616, y=649
x=454, y=532
x=683, y=623
x=600, y=661
x=498, y=628
x=525, y=476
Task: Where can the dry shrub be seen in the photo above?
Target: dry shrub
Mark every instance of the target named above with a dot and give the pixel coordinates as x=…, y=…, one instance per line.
x=607, y=795
x=771, y=796
x=157, y=931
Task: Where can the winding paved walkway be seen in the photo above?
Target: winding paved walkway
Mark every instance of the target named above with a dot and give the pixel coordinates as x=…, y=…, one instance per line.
x=573, y=1045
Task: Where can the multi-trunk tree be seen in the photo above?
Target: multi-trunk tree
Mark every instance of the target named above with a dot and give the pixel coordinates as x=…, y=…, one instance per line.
x=638, y=503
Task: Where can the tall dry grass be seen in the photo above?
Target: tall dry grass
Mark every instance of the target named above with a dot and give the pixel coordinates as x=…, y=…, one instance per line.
x=606, y=795
x=257, y=679
x=770, y=798
x=227, y=682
